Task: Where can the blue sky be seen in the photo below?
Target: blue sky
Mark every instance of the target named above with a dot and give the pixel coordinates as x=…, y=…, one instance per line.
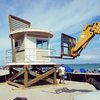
x=57, y=16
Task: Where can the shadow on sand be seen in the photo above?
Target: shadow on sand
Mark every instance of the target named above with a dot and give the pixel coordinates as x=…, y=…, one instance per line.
x=66, y=90
x=58, y=91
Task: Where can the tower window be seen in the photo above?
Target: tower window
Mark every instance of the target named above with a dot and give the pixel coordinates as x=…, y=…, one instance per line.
x=42, y=44
x=18, y=43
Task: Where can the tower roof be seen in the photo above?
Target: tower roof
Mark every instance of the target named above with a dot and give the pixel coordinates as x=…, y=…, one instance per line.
x=32, y=32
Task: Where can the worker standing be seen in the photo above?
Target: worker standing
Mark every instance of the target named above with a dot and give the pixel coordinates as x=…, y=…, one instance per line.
x=62, y=75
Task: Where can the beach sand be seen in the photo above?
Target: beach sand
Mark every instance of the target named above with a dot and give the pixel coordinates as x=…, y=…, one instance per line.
x=46, y=92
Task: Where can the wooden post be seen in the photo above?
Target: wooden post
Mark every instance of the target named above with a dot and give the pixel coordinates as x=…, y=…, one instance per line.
x=16, y=75
x=13, y=53
x=54, y=76
x=25, y=75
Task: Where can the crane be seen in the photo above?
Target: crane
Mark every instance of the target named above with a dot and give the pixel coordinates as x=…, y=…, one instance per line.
x=75, y=48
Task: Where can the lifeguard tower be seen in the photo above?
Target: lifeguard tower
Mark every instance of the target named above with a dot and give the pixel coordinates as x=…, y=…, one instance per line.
x=30, y=48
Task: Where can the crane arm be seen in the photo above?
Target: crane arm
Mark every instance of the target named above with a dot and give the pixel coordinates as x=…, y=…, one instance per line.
x=88, y=33
x=75, y=48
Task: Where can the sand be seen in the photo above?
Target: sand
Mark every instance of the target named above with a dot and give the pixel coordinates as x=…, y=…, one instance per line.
x=46, y=92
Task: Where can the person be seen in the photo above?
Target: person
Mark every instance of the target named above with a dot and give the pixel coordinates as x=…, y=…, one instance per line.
x=62, y=72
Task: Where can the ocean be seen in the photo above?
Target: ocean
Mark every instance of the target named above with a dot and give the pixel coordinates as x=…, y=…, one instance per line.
x=89, y=67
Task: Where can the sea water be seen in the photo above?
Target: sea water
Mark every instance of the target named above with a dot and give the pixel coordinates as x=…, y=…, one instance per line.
x=89, y=67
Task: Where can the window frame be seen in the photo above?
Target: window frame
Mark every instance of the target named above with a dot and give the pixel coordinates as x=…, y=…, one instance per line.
x=42, y=44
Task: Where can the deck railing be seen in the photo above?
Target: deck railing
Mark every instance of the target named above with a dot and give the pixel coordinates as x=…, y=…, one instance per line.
x=28, y=57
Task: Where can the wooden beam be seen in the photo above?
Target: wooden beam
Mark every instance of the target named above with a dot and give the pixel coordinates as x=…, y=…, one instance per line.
x=40, y=77
x=16, y=75
x=33, y=73
x=48, y=80
x=15, y=84
x=36, y=74
x=14, y=71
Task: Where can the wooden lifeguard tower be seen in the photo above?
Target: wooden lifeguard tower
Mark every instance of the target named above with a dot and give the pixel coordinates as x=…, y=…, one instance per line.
x=29, y=50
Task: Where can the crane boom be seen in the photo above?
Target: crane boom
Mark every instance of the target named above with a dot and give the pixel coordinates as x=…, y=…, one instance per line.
x=87, y=34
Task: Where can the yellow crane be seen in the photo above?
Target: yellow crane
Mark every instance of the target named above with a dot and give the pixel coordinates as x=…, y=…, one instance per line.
x=75, y=48
x=88, y=33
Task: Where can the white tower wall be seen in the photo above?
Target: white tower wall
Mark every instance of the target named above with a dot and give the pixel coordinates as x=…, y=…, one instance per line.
x=30, y=48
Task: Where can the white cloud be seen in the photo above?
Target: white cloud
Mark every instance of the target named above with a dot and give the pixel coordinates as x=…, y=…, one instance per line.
x=57, y=19
x=88, y=57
